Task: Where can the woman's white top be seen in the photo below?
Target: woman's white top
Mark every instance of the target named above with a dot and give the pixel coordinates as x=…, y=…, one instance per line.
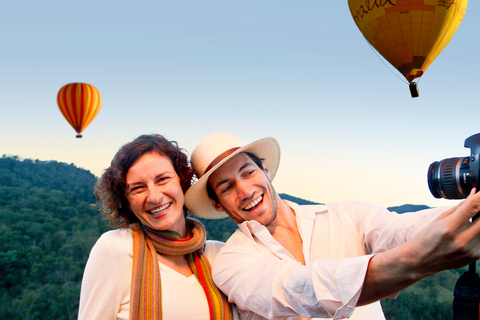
x=107, y=280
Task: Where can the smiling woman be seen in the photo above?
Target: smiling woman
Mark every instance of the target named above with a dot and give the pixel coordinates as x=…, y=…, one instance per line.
x=155, y=194
x=156, y=248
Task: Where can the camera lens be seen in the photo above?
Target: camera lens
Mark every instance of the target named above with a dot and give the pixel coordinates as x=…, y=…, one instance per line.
x=450, y=178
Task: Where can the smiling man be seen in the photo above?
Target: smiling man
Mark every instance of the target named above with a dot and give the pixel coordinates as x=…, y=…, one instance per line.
x=322, y=261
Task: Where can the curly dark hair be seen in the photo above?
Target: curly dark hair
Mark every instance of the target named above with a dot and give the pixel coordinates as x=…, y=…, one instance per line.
x=110, y=189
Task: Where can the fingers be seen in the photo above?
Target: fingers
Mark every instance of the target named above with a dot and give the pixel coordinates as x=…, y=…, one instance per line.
x=472, y=204
x=462, y=213
x=449, y=211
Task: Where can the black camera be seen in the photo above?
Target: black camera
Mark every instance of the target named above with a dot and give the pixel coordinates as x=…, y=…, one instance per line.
x=454, y=178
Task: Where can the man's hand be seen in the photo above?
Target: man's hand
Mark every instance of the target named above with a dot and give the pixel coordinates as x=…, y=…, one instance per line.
x=451, y=241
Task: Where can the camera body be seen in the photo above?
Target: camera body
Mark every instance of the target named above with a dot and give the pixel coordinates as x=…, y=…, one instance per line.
x=454, y=178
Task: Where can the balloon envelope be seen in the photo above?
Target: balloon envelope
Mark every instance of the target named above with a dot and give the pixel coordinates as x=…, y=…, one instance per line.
x=409, y=34
x=79, y=103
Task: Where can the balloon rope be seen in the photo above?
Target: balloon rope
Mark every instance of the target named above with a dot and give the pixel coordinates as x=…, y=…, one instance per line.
x=383, y=61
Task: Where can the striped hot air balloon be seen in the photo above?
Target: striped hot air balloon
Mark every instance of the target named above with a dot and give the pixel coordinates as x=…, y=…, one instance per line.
x=409, y=34
x=79, y=103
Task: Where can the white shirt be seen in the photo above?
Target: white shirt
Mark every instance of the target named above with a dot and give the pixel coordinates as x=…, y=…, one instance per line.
x=182, y=297
x=107, y=280
x=339, y=239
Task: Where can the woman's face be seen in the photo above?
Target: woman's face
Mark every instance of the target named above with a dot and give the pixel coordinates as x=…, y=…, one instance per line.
x=154, y=193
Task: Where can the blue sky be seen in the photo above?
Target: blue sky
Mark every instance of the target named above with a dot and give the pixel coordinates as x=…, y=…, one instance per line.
x=299, y=71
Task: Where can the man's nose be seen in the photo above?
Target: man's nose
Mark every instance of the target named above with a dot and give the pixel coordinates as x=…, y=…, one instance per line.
x=245, y=190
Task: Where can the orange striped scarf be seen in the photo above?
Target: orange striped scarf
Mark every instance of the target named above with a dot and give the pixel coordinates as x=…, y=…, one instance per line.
x=146, y=297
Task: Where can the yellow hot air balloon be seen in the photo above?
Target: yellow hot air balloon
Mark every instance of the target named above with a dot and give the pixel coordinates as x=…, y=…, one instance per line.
x=79, y=103
x=409, y=34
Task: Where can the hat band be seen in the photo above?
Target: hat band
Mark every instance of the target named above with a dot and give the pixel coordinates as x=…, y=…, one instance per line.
x=220, y=158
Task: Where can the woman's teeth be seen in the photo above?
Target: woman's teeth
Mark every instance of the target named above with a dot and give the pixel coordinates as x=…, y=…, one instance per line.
x=160, y=209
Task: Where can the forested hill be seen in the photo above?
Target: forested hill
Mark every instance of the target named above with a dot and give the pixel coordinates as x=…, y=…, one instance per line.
x=48, y=175
x=48, y=226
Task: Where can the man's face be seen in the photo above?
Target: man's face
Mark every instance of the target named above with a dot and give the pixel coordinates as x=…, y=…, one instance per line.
x=244, y=191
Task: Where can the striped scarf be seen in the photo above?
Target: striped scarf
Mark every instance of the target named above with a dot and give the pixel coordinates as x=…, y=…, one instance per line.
x=146, y=297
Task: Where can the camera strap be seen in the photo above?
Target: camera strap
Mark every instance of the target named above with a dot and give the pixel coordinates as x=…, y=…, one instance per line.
x=466, y=301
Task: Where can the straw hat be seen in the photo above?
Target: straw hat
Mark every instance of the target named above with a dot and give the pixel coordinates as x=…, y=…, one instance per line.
x=211, y=153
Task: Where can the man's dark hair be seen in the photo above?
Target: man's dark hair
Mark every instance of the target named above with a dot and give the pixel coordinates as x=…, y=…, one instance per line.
x=211, y=193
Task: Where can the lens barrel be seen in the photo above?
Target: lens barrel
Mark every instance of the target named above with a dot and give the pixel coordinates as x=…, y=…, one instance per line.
x=450, y=178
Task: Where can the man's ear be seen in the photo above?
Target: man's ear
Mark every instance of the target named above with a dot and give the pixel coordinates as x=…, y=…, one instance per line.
x=218, y=206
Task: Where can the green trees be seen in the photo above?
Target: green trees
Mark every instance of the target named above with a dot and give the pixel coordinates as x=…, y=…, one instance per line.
x=47, y=228
x=218, y=229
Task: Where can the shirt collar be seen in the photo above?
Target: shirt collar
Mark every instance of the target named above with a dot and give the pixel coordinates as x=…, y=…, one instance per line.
x=301, y=212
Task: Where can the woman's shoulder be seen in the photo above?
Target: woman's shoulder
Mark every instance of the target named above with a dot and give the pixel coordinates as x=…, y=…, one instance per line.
x=114, y=242
x=117, y=235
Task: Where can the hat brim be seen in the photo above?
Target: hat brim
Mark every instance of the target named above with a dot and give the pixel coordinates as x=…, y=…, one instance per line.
x=197, y=199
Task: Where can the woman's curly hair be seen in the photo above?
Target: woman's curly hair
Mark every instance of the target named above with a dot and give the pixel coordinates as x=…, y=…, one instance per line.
x=110, y=189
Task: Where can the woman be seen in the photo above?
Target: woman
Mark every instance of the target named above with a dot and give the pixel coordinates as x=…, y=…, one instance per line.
x=155, y=266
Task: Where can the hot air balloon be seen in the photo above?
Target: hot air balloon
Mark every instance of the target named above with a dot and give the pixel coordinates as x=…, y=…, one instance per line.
x=79, y=103
x=409, y=34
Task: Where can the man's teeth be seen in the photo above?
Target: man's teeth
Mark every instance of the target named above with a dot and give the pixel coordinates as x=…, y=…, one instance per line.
x=159, y=210
x=253, y=203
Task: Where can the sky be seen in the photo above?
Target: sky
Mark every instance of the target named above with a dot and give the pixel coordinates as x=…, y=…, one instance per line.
x=298, y=71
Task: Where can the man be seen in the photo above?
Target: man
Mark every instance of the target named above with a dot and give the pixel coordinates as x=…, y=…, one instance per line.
x=324, y=261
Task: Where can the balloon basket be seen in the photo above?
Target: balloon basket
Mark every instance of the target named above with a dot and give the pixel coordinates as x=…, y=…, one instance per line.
x=414, y=90
x=78, y=136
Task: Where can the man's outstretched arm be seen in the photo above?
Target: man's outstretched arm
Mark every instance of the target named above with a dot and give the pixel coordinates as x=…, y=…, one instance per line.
x=451, y=241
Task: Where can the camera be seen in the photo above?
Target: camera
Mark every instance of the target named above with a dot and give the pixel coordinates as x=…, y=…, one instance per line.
x=454, y=178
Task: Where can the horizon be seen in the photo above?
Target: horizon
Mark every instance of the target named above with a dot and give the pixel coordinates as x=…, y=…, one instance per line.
x=295, y=197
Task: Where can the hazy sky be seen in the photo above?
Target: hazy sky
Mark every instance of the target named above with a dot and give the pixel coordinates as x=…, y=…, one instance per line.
x=299, y=71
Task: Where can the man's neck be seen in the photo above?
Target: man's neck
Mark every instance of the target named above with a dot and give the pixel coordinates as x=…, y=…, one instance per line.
x=285, y=219
x=285, y=230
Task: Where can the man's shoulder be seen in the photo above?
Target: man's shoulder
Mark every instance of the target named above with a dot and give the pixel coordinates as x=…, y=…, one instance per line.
x=350, y=206
x=303, y=210
x=343, y=209
x=243, y=239
x=240, y=236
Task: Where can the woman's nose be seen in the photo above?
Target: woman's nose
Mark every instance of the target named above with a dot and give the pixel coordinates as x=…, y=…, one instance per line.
x=154, y=195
